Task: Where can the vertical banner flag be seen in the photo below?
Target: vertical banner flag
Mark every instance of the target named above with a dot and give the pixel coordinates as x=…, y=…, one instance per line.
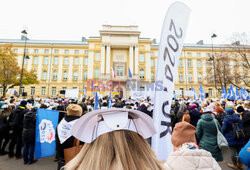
x=129, y=73
x=237, y=94
x=110, y=102
x=46, y=123
x=201, y=93
x=195, y=96
x=84, y=89
x=171, y=43
x=96, y=106
x=224, y=93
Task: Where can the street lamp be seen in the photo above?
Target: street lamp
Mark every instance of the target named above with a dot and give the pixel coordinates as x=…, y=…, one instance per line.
x=212, y=59
x=24, y=32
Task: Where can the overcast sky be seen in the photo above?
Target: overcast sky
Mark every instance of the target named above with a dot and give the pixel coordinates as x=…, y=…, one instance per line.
x=72, y=19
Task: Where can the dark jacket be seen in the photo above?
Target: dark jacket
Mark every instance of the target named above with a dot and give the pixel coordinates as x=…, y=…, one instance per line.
x=227, y=129
x=4, y=123
x=246, y=124
x=17, y=118
x=29, y=127
x=67, y=144
x=195, y=115
x=207, y=133
x=220, y=117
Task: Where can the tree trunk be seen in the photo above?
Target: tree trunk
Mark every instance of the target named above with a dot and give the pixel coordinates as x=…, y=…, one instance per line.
x=4, y=90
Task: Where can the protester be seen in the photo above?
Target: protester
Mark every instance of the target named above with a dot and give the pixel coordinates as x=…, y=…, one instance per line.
x=117, y=137
x=220, y=114
x=244, y=155
x=194, y=114
x=182, y=110
x=64, y=139
x=16, y=137
x=187, y=154
x=207, y=134
x=235, y=144
x=28, y=136
x=245, y=114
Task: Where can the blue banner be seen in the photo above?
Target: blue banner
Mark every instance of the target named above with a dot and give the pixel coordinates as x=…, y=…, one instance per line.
x=46, y=123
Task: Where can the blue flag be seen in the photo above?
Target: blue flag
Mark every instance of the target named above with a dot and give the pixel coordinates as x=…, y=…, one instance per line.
x=237, y=94
x=241, y=92
x=96, y=106
x=231, y=94
x=201, y=93
x=195, y=96
x=110, y=102
x=84, y=89
x=46, y=123
x=129, y=73
x=245, y=95
x=224, y=93
x=92, y=85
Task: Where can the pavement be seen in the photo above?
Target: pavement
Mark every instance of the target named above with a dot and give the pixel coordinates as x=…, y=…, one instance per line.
x=49, y=164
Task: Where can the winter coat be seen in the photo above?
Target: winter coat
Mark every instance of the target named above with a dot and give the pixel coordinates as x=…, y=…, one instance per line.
x=17, y=118
x=244, y=155
x=29, y=127
x=246, y=123
x=60, y=146
x=195, y=115
x=191, y=159
x=206, y=132
x=227, y=129
x=220, y=117
x=4, y=123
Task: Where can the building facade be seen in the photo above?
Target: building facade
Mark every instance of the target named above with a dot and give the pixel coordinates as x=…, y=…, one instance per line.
x=61, y=65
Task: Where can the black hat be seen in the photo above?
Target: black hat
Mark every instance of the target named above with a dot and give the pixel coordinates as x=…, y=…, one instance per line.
x=23, y=103
x=240, y=109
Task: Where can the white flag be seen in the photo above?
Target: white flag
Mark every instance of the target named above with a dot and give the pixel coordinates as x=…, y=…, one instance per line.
x=171, y=43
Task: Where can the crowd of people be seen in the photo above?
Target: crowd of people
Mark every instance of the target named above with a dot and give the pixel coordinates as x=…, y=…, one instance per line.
x=195, y=126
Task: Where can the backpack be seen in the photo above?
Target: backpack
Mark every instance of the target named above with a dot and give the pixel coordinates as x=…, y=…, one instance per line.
x=238, y=132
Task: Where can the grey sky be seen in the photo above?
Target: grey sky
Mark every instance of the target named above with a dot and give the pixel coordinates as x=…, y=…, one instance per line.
x=72, y=19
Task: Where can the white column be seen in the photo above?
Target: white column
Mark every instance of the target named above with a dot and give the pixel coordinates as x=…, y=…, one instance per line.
x=131, y=59
x=39, y=69
x=60, y=67
x=70, y=68
x=102, y=59
x=108, y=60
x=90, y=64
x=136, y=60
x=148, y=67
x=195, y=70
x=50, y=74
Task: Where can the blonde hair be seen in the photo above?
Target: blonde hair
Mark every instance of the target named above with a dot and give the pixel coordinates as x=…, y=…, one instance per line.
x=117, y=150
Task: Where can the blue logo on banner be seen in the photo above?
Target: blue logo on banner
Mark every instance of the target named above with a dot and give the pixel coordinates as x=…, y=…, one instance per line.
x=46, y=123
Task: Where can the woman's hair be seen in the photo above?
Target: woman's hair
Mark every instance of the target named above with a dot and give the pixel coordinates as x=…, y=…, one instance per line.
x=186, y=117
x=182, y=108
x=117, y=150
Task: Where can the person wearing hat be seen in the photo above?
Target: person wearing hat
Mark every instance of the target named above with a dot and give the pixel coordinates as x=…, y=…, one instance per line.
x=234, y=144
x=195, y=115
x=114, y=140
x=207, y=134
x=187, y=154
x=245, y=117
x=17, y=124
x=220, y=114
x=64, y=138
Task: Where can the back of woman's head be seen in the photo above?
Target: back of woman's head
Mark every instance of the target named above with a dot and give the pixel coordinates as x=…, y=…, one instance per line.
x=186, y=117
x=117, y=150
x=183, y=108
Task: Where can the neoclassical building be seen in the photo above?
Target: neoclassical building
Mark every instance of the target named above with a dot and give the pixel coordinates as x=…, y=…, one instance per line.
x=63, y=65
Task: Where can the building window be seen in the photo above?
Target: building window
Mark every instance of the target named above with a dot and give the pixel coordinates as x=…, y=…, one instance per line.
x=55, y=75
x=45, y=60
x=66, y=61
x=97, y=73
x=210, y=92
x=66, y=51
x=85, y=61
x=76, y=51
x=46, y=51
x=199, y=63
x=15, y=50
x=25, y=61
x=208, y=63
x=53, y=91
x=141, y=58
x=199, y=77
x=141, y=74
x=198, y=54
x=32, y=91
x=97, y=56
x=36, y=51
x=152, y=54
x=56, y=61
x=190, y=79
x=65, y=75
x=43, y=91
x=152, y=62
x=85, y=75
x=152, y=76
x=64, y=88
x=207, y=54
x=76, y=61
x=74, y=87
x=75, y=76
x=44, y=77
x=189, y=63
x=26, y=50
x=180, y=62
x=86, y=52
x=119, y=70
x=56, y=51
x=180, y=77
x=189, y=54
